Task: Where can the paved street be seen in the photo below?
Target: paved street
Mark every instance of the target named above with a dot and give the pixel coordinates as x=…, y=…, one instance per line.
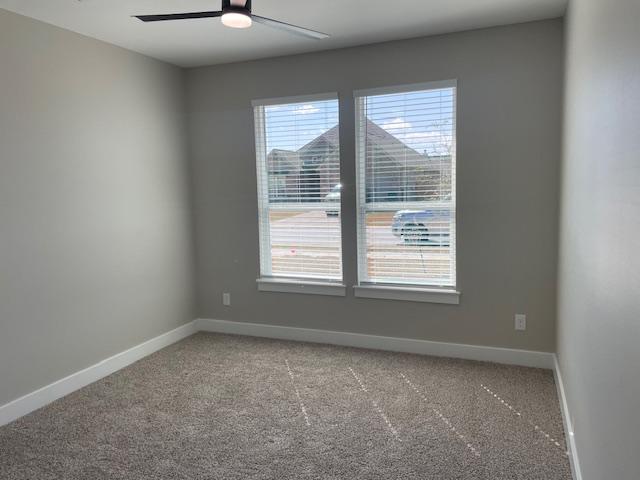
x=310, y=242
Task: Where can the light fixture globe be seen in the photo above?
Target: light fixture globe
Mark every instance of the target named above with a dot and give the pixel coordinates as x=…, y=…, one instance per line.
x=236, y=18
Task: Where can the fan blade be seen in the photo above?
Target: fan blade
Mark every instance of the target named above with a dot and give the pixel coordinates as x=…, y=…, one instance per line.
x=177, y=16
x=304, y=32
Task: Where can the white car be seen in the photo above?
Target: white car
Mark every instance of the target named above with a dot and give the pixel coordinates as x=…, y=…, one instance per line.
x=333, y=197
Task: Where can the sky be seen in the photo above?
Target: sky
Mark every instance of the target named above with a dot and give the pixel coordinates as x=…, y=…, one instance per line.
x=423, y=120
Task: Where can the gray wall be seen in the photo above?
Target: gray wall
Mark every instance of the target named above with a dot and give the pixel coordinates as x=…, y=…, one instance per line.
x=95, y=245
x=510, y=97
x=599, y=266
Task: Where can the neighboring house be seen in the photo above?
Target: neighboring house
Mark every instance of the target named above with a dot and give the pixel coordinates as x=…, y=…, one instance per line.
x=396, y=173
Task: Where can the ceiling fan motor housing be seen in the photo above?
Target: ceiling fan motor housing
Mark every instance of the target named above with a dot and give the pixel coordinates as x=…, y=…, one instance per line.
x=236, y=6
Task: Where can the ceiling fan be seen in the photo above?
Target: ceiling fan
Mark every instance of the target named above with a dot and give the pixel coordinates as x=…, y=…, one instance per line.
x=237, y=14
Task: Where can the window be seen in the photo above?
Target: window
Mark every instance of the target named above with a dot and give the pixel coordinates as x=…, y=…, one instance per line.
x=405, y=141
x=298, y=167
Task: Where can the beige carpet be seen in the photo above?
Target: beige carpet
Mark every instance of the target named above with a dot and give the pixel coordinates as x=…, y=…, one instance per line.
x=227, y=407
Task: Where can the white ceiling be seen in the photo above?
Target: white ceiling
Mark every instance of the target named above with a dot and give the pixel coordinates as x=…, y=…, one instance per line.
x=191, y=43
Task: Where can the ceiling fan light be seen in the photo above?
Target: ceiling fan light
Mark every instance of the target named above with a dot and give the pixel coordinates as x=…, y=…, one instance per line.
x=236, y=20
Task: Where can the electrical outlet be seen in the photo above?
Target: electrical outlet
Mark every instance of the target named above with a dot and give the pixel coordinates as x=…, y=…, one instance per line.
x=226, y=299
x=521, y=321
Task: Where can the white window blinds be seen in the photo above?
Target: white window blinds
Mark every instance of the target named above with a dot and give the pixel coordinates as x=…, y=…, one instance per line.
x=298, y=167
x=405, y=145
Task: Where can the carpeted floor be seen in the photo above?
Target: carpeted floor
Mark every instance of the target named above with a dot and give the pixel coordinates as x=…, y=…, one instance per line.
x=227, y=407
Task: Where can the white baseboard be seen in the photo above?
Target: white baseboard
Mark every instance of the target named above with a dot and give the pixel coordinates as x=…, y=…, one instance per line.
x=568, y=424
x=509, y=356
x=45, y=395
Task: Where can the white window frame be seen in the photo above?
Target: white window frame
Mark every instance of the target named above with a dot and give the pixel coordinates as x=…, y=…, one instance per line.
x=401, y=291
x=266, y=281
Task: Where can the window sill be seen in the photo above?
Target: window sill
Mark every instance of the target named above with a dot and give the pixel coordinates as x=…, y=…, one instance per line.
x=411, y=294
x=301, y=286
